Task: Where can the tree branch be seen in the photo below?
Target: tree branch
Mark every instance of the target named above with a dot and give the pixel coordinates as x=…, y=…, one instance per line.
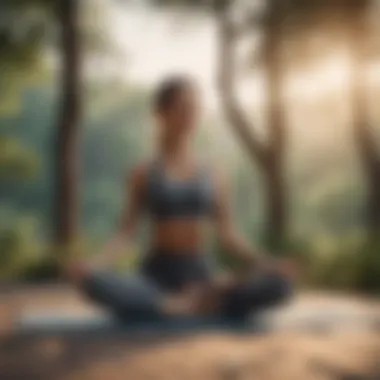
x=226, y=80
x=274, y=77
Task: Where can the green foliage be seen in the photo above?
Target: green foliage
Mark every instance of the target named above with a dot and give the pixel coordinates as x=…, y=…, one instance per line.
x=23, y=31
x=44, y=269
x=19, y=246
x=16, y=161
x=347, y=266
x=115, y=130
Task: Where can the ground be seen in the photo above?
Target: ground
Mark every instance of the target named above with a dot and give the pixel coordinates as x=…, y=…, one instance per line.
x=289, y=353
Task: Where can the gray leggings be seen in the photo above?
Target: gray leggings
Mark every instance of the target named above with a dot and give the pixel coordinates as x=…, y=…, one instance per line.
x=139, y=296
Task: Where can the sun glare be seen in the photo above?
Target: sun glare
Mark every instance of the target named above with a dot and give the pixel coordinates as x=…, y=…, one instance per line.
x=153, y=50
x=328, y=75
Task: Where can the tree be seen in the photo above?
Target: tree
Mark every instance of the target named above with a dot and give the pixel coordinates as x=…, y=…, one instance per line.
x=367, y=149
x=27, y=29
x=350, y=18
x=269, y=156
x=67, y=148
x=21, y=34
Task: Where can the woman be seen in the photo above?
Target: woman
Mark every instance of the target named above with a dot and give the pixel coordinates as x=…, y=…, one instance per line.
x=180, y=195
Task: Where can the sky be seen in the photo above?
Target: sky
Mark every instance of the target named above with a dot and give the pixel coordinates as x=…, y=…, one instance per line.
x=155, y=43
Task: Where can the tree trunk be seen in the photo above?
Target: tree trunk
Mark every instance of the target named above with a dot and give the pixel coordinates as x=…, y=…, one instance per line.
x=269, y=157
x=226, y=81
x=373, y=204
x=276, y=212
x=366, y=146
x=274, y=173
x=67, y=148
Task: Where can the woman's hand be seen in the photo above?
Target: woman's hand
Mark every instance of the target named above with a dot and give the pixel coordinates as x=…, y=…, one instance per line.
x=288, y=267
x=283, y=266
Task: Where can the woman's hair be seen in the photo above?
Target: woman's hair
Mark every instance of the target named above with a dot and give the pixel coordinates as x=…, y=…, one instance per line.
x=168, y=90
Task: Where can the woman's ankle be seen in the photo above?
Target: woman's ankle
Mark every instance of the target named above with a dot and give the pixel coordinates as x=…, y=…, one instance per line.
x=76, y=271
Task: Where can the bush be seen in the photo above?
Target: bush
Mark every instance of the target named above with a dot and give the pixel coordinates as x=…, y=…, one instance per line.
x=42, y=270
x=356, y=269
x=19, y=247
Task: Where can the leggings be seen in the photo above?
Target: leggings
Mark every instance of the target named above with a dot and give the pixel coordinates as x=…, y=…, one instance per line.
x=140, y=296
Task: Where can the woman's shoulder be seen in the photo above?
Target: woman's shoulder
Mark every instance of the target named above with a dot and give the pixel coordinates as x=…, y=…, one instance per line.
x=138, y=174
x=215, y=171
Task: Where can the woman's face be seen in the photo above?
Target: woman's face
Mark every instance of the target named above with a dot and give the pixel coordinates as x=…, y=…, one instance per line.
x=181, y=116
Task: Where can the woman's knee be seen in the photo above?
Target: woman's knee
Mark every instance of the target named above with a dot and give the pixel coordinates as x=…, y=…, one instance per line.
x=261, y=292
x=123, y=295
x=97, y=286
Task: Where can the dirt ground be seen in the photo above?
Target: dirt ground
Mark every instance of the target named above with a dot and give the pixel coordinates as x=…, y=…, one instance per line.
x=324, y=354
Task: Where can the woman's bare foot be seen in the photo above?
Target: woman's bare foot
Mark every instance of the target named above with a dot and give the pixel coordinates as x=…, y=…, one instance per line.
x=76, y=270
x=195, y=300
x=226, y=281
x=177, y=305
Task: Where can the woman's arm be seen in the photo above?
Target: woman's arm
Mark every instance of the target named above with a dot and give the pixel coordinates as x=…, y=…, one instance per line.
x=228, y=234
x=233, y=241
x=133, y=205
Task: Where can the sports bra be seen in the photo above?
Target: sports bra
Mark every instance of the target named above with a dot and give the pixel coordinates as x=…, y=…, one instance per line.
x=174, y=198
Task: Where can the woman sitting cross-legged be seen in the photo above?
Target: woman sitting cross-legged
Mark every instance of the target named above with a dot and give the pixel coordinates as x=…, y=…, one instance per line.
x=180, y=195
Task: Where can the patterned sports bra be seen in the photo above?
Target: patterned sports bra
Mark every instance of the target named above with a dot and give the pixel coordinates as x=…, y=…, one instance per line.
x=171, y=198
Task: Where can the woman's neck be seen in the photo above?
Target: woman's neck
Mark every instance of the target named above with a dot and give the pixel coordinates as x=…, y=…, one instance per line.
x=174, y=148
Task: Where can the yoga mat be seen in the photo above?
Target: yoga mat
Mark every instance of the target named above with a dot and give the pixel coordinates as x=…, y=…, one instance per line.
x=288, y=319
x=48, y=322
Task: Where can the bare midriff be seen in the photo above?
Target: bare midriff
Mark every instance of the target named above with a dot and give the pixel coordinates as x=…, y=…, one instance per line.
x=178, y=235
